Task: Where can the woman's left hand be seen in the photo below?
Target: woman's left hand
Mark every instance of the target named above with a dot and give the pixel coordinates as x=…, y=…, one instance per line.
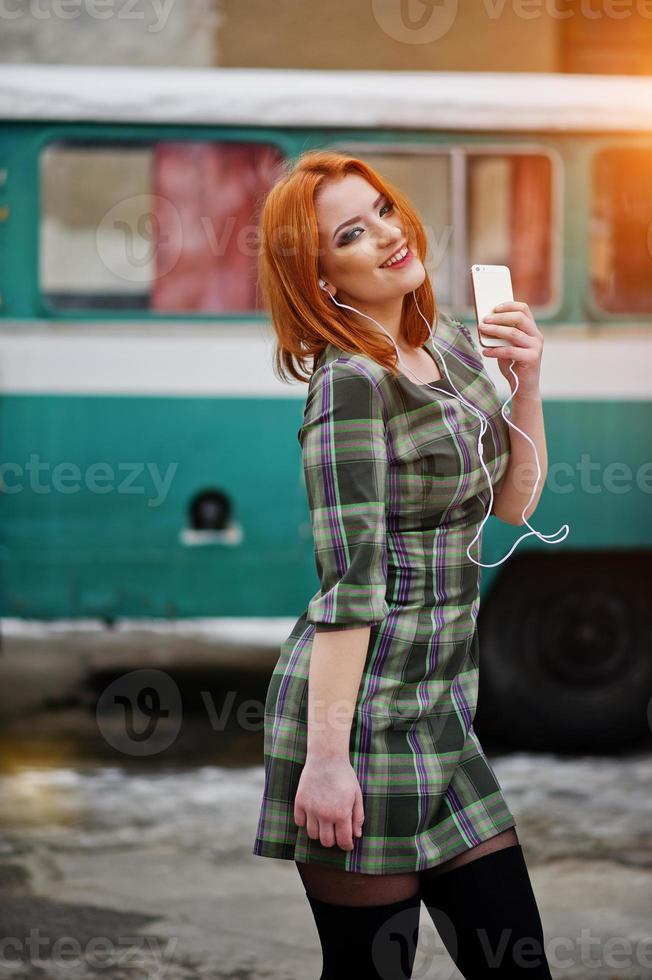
x=513, y=322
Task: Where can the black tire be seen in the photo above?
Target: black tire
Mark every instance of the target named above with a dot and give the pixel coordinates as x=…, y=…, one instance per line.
x=566, y=652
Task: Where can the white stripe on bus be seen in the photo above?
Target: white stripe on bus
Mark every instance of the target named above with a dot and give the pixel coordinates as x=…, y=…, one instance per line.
x=236, y=361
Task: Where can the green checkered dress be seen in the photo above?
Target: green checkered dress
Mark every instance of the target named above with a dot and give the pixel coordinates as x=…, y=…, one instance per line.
x=396, y=493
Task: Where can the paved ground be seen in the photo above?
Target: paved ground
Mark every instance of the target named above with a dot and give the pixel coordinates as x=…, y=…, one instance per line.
x=126, y=866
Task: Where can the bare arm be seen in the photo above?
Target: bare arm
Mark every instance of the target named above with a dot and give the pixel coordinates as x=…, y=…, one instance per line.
x=328, y=802
x=513, y=323
x=336, y=664
x=516, y=485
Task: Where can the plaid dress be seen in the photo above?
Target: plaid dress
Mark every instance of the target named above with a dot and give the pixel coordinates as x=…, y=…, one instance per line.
x=396, y=493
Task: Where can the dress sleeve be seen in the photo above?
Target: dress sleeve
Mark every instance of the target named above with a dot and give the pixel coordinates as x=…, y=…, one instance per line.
x=345, y=468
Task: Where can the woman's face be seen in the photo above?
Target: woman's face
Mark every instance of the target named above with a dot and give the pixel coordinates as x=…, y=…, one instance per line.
x=353, y=252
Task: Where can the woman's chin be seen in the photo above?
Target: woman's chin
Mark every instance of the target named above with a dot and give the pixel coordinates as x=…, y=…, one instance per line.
x=415, y=278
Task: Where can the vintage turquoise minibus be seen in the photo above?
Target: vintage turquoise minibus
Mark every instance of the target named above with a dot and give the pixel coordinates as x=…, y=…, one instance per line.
x=150, y=465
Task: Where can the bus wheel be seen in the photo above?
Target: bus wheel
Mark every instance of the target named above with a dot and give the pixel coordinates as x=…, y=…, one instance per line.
x=565, y=652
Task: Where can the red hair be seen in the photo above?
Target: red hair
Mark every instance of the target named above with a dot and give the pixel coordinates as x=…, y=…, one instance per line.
x=305, y=319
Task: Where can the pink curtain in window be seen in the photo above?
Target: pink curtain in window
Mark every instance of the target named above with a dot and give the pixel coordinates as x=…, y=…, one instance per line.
x=207, y=200
x=531, y=228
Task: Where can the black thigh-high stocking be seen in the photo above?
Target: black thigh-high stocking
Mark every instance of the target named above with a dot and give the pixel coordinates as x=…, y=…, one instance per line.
x=487, y=917
x=368, y=925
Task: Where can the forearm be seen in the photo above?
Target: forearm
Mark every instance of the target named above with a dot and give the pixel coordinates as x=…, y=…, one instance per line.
x=336, y=663
x=520, y=477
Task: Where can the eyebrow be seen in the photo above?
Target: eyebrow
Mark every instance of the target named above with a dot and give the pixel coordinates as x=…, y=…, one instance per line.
x=357, y=217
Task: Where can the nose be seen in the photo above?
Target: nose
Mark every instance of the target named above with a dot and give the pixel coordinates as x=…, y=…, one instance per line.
x=386, y=234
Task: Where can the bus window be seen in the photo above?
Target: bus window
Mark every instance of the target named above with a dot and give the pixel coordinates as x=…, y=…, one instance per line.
x=425, y=180
x=509, y=207
x=620, y=236
x=163, y=227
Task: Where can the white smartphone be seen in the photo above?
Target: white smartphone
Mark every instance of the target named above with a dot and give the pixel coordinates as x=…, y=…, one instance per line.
x=492, y=284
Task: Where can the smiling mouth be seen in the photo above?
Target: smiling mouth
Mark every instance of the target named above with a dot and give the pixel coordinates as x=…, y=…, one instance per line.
x=399, y=257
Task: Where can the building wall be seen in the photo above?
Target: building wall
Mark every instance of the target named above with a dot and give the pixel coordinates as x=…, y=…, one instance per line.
x=614, y=40
x=109, y=32
x=471, y=35
x=605, y=36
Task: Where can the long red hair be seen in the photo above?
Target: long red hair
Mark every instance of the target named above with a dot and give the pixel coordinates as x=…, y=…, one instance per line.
x=305, y=319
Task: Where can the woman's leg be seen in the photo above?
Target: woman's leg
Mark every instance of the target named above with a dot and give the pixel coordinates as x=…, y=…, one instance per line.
x=504, y=839
x=368, y=925
x=486, y=914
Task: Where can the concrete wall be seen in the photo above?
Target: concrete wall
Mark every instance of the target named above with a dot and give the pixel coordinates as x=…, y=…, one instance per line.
x=488, y=35
x=109, y=32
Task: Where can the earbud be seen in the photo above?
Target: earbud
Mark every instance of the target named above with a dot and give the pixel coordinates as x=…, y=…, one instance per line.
x=322, y=284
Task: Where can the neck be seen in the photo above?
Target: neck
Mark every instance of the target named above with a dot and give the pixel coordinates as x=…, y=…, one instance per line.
x=389, y=313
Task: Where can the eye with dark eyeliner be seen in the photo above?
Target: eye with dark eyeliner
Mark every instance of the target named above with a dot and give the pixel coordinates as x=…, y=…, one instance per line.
x=346, y=239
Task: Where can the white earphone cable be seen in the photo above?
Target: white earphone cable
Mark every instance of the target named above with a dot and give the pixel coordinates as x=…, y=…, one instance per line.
x=546, y=538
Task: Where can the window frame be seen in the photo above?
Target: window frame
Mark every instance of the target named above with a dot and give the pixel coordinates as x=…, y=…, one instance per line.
x=595, y=312
x=106, y=137
x=459, y=150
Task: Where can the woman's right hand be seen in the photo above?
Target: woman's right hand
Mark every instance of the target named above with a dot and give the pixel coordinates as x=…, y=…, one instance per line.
x=328, y=801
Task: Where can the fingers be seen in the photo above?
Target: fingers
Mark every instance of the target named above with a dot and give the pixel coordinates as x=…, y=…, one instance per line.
x=326, y=829
x=526, y=355
x=515, y=315
x=344, y=833
x=513, y=304
x=513, y=334
x=312, y=826
x=327, y=833
x=350, y=826
x=340, y=830
x=316, y=828
x=358, y=813
x=513, y=322
x=331, y=816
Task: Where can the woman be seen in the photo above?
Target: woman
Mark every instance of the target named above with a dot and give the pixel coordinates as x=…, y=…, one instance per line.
x=376, y=785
